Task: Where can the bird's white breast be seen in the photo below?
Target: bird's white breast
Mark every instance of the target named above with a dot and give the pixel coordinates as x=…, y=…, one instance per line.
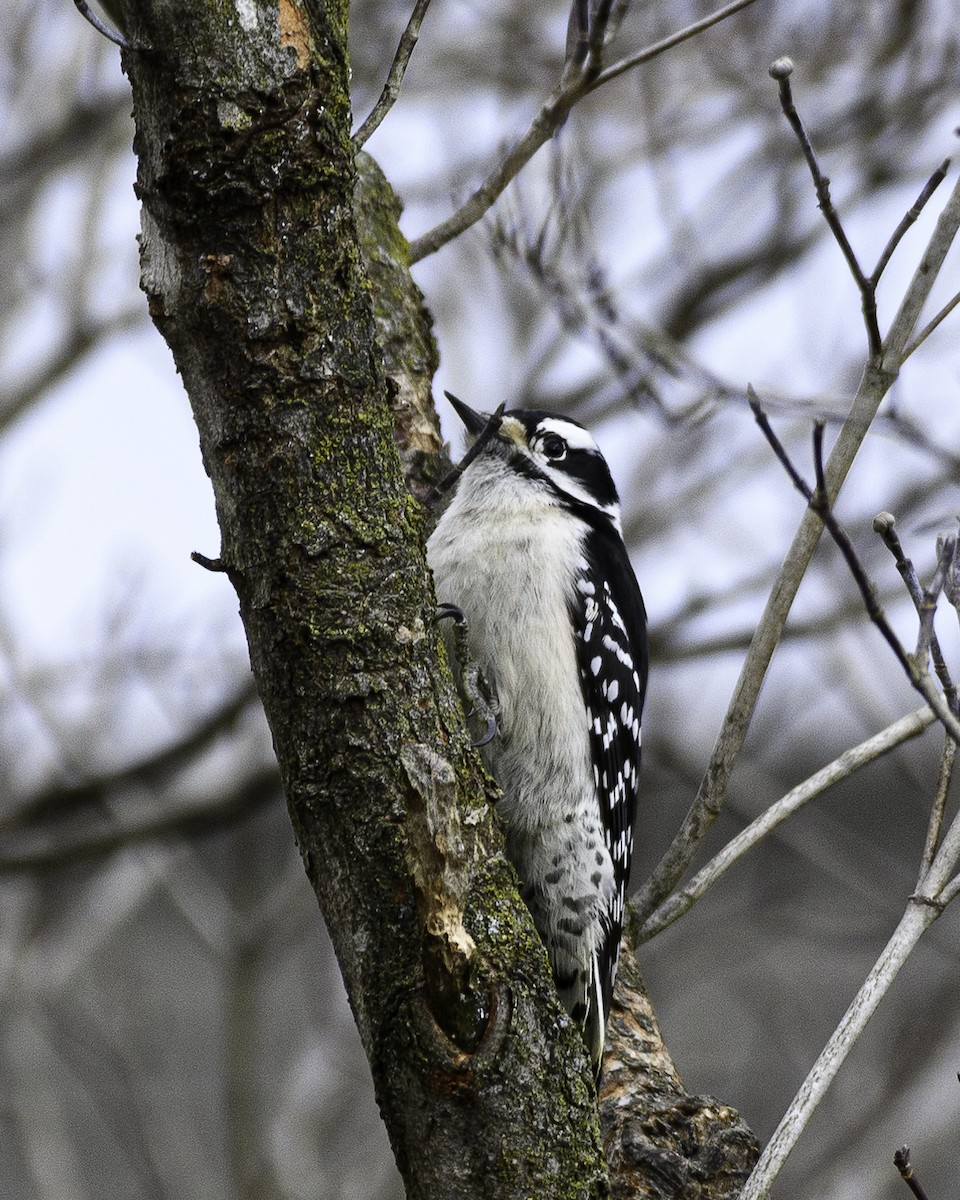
x=508, y=556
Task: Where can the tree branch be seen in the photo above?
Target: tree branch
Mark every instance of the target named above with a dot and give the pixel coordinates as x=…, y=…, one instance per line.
x=615, y=70
x=932, y=324
x=930, y=898
x=867, y=285
x=925, y=905
x=391, y=89
x=819, y=503
x=884, y=523
x=909, y=219
x=847, y=764
x=876, y=382
x=548, y=120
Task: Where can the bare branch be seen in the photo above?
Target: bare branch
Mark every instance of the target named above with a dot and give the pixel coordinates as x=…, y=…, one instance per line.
x=904, y=323
x=928, y=605
x=548, y=120
x=578, y=37
x=683, y=35
x=599, y=36
x=884, y=523
x=923, y=601
x=930, y=897
x=925, y=905
x=391, y=89
x=591, y=26
x=876, y=382
x=932, y=325
x=781, y=71
x=847, y=764
x=208, y=564
x=713, y=788
x=819, y=503
x=909, y=218
x=935, y=824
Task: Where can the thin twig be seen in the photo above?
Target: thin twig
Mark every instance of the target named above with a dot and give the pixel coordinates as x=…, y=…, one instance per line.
x=674, y=39
x=923, y=908
x=208, y=564
x=924, y=333
x=552, y=114
x=489, y=430
x=901, y=1160
x=884, y=523
x=578, y=35
x=944, y=778
x=849, y=762
x=391, y=89
x=776, y=445
x=928, y=604
x=909, y=218
x=820, y=493
x=547, y=121
x=781, y=71
x=876, y=382
x=905, y=322
x=597, y=39
x=819, y=503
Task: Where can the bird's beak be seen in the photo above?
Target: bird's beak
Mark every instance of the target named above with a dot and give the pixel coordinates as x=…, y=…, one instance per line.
x=475, y=422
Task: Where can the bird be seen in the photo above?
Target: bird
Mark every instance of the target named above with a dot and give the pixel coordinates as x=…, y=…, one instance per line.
x=530, y=550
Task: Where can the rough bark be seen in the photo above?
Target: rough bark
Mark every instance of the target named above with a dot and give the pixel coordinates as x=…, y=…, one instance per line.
x=309, y=380
x=661, y=1142
x=251, y=263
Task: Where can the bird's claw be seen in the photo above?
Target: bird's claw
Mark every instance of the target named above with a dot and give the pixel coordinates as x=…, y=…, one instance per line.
x=451, y=611
x=490, y=733
x=472, y=683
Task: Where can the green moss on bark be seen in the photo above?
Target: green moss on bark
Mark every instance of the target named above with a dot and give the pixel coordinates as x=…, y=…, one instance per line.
x=307, y=376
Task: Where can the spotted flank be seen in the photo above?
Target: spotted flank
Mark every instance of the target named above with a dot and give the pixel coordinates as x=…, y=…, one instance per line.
x=611, y=629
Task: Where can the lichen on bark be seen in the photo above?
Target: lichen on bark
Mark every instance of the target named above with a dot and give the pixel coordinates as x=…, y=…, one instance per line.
x=253, y=269
x=307, y=355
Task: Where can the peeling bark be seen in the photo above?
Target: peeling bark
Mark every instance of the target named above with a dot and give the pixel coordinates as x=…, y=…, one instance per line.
x=661, y=1142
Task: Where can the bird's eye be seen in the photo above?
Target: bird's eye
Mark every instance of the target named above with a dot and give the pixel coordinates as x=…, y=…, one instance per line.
x=553, y=446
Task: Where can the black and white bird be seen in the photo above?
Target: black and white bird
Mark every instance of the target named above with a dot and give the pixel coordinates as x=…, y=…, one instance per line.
x=531, y=550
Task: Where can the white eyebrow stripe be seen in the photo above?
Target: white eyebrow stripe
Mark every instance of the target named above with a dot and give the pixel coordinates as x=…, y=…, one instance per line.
x=575, y=437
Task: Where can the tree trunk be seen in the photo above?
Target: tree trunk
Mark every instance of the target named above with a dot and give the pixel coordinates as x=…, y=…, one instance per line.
x=254, y=273
x=251, y=262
